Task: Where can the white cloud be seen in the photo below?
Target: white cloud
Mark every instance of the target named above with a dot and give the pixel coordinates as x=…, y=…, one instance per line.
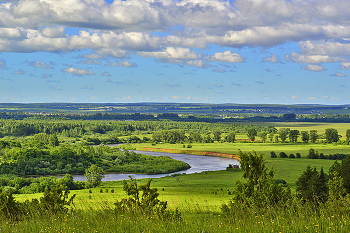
x=53, y=32
x=90, y=62
x=338, y=74
x=78, y=72
x=198, y=63
x=122, y=64
x=106, y=74
x=345, y=66
x=124, y=27
x=273, y=59
x=39, y=64
x=218, y=70
x=20, y=72
x=172, y=53
x=313, y=67
x=313, y=59
x=226, y=56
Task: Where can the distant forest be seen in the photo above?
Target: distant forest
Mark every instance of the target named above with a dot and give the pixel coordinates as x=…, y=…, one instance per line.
x=178, y=111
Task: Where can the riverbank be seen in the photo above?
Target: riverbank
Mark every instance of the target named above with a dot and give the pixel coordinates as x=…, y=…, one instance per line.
x=190, y=152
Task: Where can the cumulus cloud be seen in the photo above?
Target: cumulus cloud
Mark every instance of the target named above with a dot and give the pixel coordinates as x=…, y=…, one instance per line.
x=218, y=85
x=47, y=76
x=273, y=59
x=345, y=66
x=122, y=64
x=20, y=72
x=90, y=62
x=313, y=59
x=39, y=64
x=78, y=72
x=226, y=56
x=173, y=53
x=218, y=70
x=338, y=74
x=313, y=67
x=198, y=63
x=116, y=29
x=106, y=74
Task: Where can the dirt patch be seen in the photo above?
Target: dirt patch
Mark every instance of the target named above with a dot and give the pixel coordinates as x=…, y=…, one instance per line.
x=191, y=152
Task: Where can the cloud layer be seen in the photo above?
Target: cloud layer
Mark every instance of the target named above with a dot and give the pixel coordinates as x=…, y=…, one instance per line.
x=321, y=28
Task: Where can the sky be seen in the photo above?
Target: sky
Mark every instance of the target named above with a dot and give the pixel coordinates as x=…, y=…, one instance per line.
x=190, y=51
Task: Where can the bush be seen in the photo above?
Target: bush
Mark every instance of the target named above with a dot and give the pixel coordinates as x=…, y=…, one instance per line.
x=292, y=156
x=283, y=155
x=56, y=199
x=298, y=155
x=273, y=154
x=8, y=206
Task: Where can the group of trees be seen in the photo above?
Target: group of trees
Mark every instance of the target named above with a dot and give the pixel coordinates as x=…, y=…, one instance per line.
x=37, y=158
x=331, y=135
x=260, y=190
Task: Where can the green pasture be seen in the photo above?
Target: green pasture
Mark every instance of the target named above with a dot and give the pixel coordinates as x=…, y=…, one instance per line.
x=208, y=190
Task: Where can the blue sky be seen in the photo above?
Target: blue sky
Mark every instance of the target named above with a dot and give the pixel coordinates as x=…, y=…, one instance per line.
x=207, y=51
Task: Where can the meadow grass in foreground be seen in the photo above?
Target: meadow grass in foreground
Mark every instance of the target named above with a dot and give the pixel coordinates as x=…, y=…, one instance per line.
x=103, y=218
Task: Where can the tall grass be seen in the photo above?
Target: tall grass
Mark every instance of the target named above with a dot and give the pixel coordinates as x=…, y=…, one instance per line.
x=331, y=217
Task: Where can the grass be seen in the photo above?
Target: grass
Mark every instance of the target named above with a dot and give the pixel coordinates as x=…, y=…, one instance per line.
x=208, y=189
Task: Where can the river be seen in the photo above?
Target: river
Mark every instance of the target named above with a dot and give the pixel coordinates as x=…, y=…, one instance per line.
x=198, y=163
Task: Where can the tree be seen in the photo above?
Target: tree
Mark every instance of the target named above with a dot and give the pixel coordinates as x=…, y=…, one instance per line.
x=252, y=133
x=263, y=135
x=283, y=133
x=313, y=136
x=271, y=136
x=260, y=189
x=94, y=176
x=348, y=134
x=217, y=135
x=231, y=137
x=312, y=185
x=305, y=137
x=53, y=140
x=336, y=187
x=293, y=135
x=332, y=135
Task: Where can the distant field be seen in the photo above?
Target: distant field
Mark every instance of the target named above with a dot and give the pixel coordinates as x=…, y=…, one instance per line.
x=307, y=126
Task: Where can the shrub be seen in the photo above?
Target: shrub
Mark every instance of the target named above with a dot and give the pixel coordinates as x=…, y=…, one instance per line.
x=273, y=154
x=8, y=206
x=291, y=156
x=283, y=155
x=298, y=155
x=56, y=199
